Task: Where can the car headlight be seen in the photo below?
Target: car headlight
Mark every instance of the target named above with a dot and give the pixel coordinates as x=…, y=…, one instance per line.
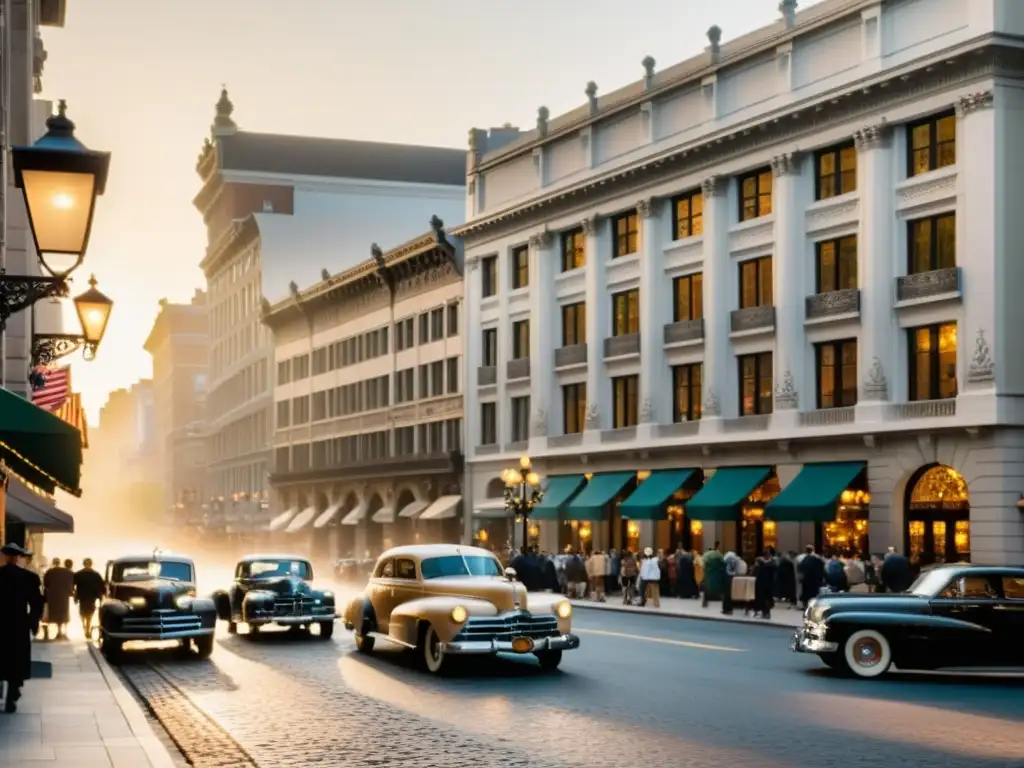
x=564, y=609
x=137, y=602
x=184, y=603
x=328, y=595
x=459, y=614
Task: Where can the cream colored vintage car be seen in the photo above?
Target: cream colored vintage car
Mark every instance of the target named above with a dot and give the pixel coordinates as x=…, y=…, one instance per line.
x=445, y=600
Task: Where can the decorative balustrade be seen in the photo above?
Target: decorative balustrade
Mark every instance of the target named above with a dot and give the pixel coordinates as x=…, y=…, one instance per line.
x=827, y=417
x=620, y=346
x=684, y=330
x=822, y=305
x=752, y=319
x=937, y=282
x=517, y=369
x=923, y=409
x=573, y=354
x=486, y=376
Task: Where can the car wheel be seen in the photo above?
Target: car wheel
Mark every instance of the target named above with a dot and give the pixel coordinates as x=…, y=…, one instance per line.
x=204, y=646
x=254, y=629
x=549, y=660
x=232, y=628
x=867, y=654
x=110, y=647
x=326, y=630
x=364, y=643
x=432, y=654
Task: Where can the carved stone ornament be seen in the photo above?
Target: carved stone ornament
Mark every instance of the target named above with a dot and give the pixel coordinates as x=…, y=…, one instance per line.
x=593, y=417
x=645, y=207
x=711, y=405
x=786, y=163
x=872, y=136
x=713, y=186
x=973, y=101
x=539, y=424
x=785, y=393
x=589, y=225
x=540, y=239
x=876, y=386
x=473, y=262
x=982, y=367
x=647, y=411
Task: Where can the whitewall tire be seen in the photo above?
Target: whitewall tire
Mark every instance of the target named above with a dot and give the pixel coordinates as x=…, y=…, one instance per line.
x=434, y=658
x=867, y=653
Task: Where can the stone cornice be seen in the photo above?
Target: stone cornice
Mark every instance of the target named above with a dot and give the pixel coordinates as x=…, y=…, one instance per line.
x=862, y=99
x=232, y=240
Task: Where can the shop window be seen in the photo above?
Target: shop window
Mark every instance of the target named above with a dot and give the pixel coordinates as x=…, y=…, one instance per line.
x=756, y=283
x=836, y=264
x=626, y=313
x=574, y=249
x=933, y=373
x=836, y=171
x=520, y=267
x=688, y=298
x=688, y=215
x=756, y=194
x=931, y=144
x=938, y=518
x=625, y=229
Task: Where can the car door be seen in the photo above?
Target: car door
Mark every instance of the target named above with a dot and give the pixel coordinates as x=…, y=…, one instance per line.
x=971, y=599
x=406, y=586
x=1010, y=614
x=382, y=591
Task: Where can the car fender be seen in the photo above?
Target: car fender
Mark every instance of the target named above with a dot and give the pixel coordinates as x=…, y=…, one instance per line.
x=112, y=609
x=546, y=602
x=901, y=621
x=437, y=611
x=355, y=611
x=222, y=601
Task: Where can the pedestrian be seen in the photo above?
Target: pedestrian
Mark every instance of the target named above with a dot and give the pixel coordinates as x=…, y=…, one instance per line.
x=896, y=575
x=714, y=575
x=764, y=584
x=835, y=573
x=89, y=590
x=812, y=574
x=733, y=569
x=650, y=574
x=786, y=578
x=21, y=607
x=686, y=577
x=59, y=584
x=630, y=571
x=596, y=569
x=613, y=571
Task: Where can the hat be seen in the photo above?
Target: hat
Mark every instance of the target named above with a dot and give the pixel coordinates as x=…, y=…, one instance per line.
x=648, y=552
x=15, y=550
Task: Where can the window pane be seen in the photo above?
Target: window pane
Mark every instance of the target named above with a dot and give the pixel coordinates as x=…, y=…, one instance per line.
x=697, y=295
x=766, y=383
x=765, y=277
x=827, y=267
x=945, y=132
x=921, y=245
x=923, y=339
x=945, y=244
x=634, y=312
x=827, y=164
x=749, y=187
x=683, y=307
x=848, y=262
x=764, y=192
x=920, y=137
x=748, y=284
x=826, y=378
x=848, y=173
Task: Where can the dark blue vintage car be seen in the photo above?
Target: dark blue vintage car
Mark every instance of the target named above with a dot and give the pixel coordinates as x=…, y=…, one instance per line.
x=276, y=589
x=954, y=616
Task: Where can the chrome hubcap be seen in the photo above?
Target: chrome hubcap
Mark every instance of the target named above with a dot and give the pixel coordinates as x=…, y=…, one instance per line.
x=435, y=649
x=867, y=652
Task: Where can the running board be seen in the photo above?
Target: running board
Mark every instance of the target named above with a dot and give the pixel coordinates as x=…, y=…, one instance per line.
x=390, y=639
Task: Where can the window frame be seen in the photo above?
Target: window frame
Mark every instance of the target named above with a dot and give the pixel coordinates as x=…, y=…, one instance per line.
x=836, y=242
x=627, y=412
x=489, y=343
x=933, y=251
x=836, y=152
x=758, y=263
x=571, y=318
x=489, y=276
x=520, y=260
x=690, y=219
x=489, y=418
x=839, y=399
x=759, y=359
x=574, y=408
x=624, y=296
x=934, y=362
x=519, y=418
x=622, y=240
x=520, y=339
x=757, y=176
x=578, y=253
x=693, y=409
x=932, y=121
x=690, y=279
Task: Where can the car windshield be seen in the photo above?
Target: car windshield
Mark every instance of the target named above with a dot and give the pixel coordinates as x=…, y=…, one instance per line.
x=459, y=565
x=278, y=569
x=157, y=569
x=930, y=583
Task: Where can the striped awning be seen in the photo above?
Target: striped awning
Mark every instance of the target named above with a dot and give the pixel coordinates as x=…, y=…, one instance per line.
x=413, y=508
x=356, y=514
x=492, y=510
x=328, y=515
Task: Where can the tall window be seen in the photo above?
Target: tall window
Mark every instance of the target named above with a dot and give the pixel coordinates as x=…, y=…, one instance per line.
x=451, y=375
x=688, y=215
x=520, y=418
x=490, y=347
x=574, y=408
x=453, y=323
x=756, y=194
x=836, y=171
x=755, y=384
x=932, y=244
x=436, y=324
x=837, y=264
x=837, y=373
x=626, y=312
x=520, y=339
x=688, y=297
x=488, y=423
x=574, y=324
x=686, y=392
x=933, y=362
x=489, y=276
x=625, y=228
x=931, y=144
x=520, y=267
x=756, y=283
x=574, y=251
x=625, y=406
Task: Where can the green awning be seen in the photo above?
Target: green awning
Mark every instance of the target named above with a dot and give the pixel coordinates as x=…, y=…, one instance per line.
x=647, y=502
x=813, y=494
x=722, y=496
x=39, y=447
x=557, y=494
x=592, y=501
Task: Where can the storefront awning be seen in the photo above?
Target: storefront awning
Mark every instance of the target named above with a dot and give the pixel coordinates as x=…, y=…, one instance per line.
x=356, y=514
x=301, y=520
x=491, y=510
x=328, y=515
x=557, y=494
x=812, y=495
x=39, y=447
x=591, y=503
x=384, y=515
x=35, y=512
x=647, y=502
x=444, y=508
x=413, y=508
x=722, y=496
x=280, y=522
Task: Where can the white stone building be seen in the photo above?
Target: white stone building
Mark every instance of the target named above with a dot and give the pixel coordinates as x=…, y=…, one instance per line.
x=369, y=403
x=795, y=249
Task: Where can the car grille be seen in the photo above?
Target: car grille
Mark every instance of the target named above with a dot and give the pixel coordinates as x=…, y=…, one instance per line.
x=161, y=622
x=509, y=627
x=297, y=606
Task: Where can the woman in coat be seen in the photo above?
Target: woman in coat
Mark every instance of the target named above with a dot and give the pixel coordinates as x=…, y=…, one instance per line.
x=59, y=584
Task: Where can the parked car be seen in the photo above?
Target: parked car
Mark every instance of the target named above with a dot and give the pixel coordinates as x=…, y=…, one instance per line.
x=153, y=597
x=445, y=600
x=276, y=589
x=952, y=616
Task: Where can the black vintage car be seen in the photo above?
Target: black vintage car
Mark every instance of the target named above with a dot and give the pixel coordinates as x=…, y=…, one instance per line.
x=276, y=589
x=153, y=597
x=953, y=616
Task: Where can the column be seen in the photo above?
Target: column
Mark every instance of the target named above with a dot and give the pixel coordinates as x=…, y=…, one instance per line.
x=789, y=289
x=655, y=303
x=472, y=346
x=598, y=387
x=543, y=332
x=717, y=344
x=876, y=353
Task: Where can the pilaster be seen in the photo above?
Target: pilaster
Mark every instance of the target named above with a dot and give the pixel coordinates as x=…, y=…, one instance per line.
x=473, y=336
x=656, y=299
x=543, y=332
x=717, y=344
x=598, y=308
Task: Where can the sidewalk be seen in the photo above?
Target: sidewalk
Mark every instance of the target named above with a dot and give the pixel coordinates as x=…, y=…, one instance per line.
x=782, y=614
x=83, y=717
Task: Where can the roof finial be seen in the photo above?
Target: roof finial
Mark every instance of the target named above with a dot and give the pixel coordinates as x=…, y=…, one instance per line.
x=648, y=64
x=222, y=122
x=788, y=10
x=542, y=121
x=715, y=38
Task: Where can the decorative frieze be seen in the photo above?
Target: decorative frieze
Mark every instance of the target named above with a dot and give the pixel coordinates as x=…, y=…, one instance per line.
x=876, y=386
x=647, y=413
x=785, y=393
x=711, y=405
x=973, y=102
x=714, y=186
x=539, y=423
x=931, y=190
x=540, y=239
x=872, y=136
x=645, y=207
x=593, y=416
x=982, y=368
x=829, y=214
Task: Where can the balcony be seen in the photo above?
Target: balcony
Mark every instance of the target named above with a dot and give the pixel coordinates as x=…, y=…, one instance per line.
x=516, y=446
x=565, y=441
x=678, y=429
x=517, y=369
x=752, y=319
x=684, y=331
x=827, y=417
x=486, y=376
x=832, y=304
x=758, y=423
x=573, y=354
x=923, y=409
x=928, y=285
x=619, y=435
x=487, y=448
x=622, y=346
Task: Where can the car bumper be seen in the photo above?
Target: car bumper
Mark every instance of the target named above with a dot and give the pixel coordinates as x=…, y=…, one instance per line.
x=291, y=621
x=812, y=641
x=175, y=634
x=566, y=642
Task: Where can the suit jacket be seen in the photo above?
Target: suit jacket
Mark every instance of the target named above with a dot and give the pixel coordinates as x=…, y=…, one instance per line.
x=21, y=607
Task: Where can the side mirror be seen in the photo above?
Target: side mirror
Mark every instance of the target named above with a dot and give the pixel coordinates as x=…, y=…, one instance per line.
x=510, y=574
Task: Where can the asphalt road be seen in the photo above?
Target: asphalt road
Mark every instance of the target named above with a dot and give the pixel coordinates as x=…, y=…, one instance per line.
x=641, y=690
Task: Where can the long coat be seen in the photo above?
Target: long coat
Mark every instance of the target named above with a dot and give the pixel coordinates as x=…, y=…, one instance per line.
x=59, y=584
x=21, y=606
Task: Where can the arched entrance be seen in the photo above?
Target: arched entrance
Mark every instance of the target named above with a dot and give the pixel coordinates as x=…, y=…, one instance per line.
x=938, y=514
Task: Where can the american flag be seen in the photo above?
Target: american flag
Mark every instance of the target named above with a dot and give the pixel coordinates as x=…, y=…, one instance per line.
x=73, y=413
x=55, y=391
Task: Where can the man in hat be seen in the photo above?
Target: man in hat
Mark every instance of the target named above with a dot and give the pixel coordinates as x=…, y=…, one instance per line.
x=21, y=607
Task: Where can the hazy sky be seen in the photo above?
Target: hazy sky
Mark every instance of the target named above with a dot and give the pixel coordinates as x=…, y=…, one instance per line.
x=141, y=79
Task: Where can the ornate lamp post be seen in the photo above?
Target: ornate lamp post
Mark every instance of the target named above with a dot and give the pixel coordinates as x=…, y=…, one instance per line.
x=93, y=309
x=523, y=492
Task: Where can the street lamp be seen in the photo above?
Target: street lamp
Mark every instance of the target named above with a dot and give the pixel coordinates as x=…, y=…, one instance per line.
x=93, y=309
x=523, y=492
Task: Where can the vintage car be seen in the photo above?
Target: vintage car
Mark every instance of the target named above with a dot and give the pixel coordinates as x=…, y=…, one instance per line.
x=953, y=616
x=276, y=589
x=153, y=597
x=446, y=600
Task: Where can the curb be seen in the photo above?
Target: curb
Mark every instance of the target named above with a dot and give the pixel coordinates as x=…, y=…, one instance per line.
x=157, y=754
x=750, y=622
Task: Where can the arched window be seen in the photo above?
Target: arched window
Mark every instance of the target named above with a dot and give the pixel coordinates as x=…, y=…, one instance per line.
x=495, y=488
x=938, y=517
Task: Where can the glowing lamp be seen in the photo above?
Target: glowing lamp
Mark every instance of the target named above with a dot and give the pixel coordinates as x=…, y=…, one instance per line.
x=93, y=310
x=524, y=462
